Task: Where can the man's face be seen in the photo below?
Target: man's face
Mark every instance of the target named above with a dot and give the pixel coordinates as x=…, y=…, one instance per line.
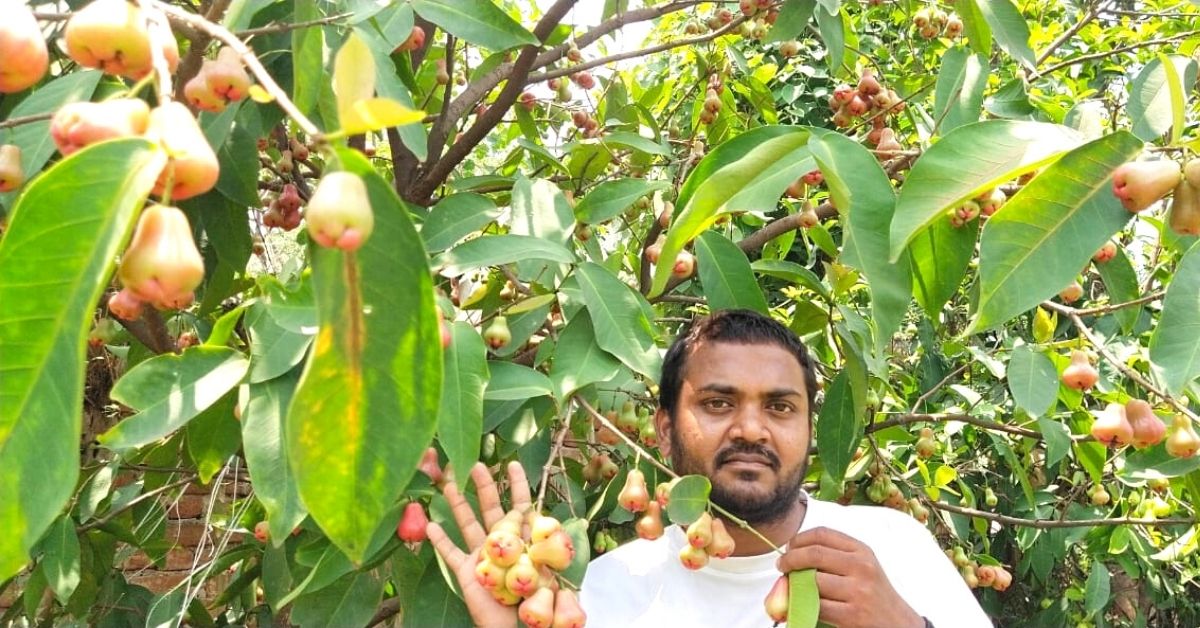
x=742, y=420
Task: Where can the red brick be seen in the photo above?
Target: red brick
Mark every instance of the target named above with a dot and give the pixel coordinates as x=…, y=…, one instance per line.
x=189, y=532
x=177, y=558
x=187, y=507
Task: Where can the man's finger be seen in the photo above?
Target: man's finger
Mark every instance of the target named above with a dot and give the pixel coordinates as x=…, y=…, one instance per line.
x=835, y=587
x=489, y=496
x=819, y=557
x=826, y=537
x=472, y=533
x=521, y=499
x=444, y=546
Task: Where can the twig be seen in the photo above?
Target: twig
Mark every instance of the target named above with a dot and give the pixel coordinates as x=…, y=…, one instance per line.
x=929, y=393
x=1107, y=53
x=37, y=117
x=558, y=444
x=1070, y=32
x=113, y=514
x=159, y=30
x=250, y=59
x=905, y=419
x=1058, y=523
x=284, y=28
x=1112, y=307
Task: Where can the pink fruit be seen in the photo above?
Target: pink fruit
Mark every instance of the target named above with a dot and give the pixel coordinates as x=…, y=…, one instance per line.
x=567, y=611
x=1106, y=253
x=79, y=124
x=1183, y=441
x=12, y=175
x=125, y=305
x=225, y=76
x=161, y=265
x=555, y=552
x=685, y=265
x=722, y=545
x=1138, y=184
x=489, y=575
x=198, y=94
x=429, y=465
x=261, y=531
x=24, y=58
x=538, y=610
x=411, y=528
x=339, y=212
x=700, y=532
x=416, y=39
x=289, y=199
x=503, y=547
x=543, y=528
x=193, y=168
x=1148, y=430
x=1080, y=374
x=522, y=578
x=777, y=600
x=113, y=35
x=650, y=525
x=1112, y=427
x=693, y=557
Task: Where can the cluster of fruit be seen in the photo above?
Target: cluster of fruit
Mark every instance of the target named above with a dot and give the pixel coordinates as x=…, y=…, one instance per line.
x=799, y=188
x=634, y=421
x=982, y=206
x=869, y=97
x=712, y=99
x=284, y=210
x=518, y=561
x=706, y=538
x=976, y=575
x=933, y=22
x=1139, y=184
x=685, y=262
x=586, y=123
x=1135, y=423
x=760, y=16
x=218, y=82
x=882, y=490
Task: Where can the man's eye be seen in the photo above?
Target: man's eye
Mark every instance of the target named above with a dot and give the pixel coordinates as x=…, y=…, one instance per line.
x=717, y=404
x=781, y=407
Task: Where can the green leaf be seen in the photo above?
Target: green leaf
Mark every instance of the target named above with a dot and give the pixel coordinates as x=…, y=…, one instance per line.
x=1010, y=28
x=833, y=33
x=1036, y=244
x=456, y=216
x=60, y=558
x=375, y=372
x=510, y=382
x=55, y=259
x=838, y=428
x=862, y=190
x=622, y=328
x=940, y=255
x=1151, y=106
x=611, y=198
x=266, y=454
x=959, y=93
x=725, y=273
x=349, y=601
x=169, y=390
x=33, y=138
x=975, y=27
x=479, y=22
x=578, y=359
x=735, y=180
x=1057, y=438
x=576, y=528
x=689, y=499
x=967, y=161
x=1175, y=343
x=213, y=436
x=460, y=415
x=1121, y=282
x=633, y=141
x=1098, y=589
x=540, y=209
x=1175, y=89
x=793, y=16
x=274, y=349
x=1033, y=380
x=493, y=250
x=793, y=272
x=308, y=72
x=804, y=600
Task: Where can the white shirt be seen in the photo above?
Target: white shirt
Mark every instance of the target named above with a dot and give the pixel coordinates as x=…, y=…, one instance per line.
x=643, y=584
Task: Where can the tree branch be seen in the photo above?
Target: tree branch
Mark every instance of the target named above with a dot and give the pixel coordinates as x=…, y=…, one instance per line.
x=1070, y=32
x=1058, y=523
x=1107, y=53
x=272, y=29
x=905, y=419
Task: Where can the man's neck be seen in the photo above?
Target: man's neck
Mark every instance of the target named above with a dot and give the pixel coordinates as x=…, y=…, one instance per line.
x=779, y=532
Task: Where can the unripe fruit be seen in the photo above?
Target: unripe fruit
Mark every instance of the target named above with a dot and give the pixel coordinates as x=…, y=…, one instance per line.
x=503, y=547
x=497, y=334
x=415, y=40
x=339, y=212
x=1148, y=430
x=808, y=216
x=1112, y=427
x=722, y=545
x=700, y=532
x=759, y=32
x=522, y=578
x=161, y=265
x=1184, y=217
x=926, y=447
x=1183, y=441
x=113, y=35
x=789, y=49
x=1191, y=172
x=79, y=124
x=1106, y=253
x=573, y=54
x=634, y=496
x=968, y=211
x=554, y=552
x=24, y=58
x=929, y=32
x=954, y=27
x=538, y=610
x=225, y=77
x=650, y=525
x=502, y=595
x=543, y=527
x=989, y=497
x=1138, y=184
x=489, y=575
x=968, y=576
x=648, y=435
x=1080, y=374
x=1072, y=293
x=411, y=528
x=662, y=492
x=1099, y=497
x=12, y=175
x=776, y=603
x=921, y=18
x=567, y=611
x=712, y=102
x=261, y=531
x=685, y=265
x=693, y=557
x=193, y=167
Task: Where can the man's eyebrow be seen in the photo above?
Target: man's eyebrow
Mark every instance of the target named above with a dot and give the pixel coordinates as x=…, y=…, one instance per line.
x=726, y=389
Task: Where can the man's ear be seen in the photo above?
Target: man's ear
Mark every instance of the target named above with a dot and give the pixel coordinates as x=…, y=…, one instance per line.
x=662, y=427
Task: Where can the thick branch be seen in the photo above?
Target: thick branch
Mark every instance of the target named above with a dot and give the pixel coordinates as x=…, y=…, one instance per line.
x=1070, y=32
x=1058, y=523
x=1112, y=307
x=191, y=62
x=778, y=227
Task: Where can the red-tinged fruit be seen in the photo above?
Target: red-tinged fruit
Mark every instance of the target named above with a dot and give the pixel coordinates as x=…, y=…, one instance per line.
x=789, y=49
x=693, y=557
x=489, y=575
x=538, y=610
x=192, y=168
x=411, y=528
x=1072, y=293
x=339, y=213
x=1184, y=216
x=125, y=305
x=543, y=527
x=1112, y=426
x=430, y=467
x=522, y=578
x=700, y=532
x=261, y=531
x=662, y=492
x=868, y=85
x=497, y=335
x=503, y=547
x=1080, y=374
x=685, y=265
x=12, y=175
x=24, y=58
x=161, y=265
x=555, y=552
x=225, y=76
x=79, y=124
x=808, y=217
x=1003, y=579
x=567, y=611
x=1183, y=441
x=198, y=94
x=813, y=177
x=722, y=545
x=857, y=106
x=415, y=40
x=113, y=35
x=776, y=603
x=1138, y=184
x=502, y=595
x=289, y=199
x=634, y=496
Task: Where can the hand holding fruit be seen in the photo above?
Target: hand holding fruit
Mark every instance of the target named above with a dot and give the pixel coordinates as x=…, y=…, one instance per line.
x=853, y=587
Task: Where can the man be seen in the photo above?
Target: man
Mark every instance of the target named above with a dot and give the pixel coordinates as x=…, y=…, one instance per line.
x=735, y=406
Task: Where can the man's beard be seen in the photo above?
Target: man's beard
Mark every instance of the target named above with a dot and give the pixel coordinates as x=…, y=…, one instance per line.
x=755, y=508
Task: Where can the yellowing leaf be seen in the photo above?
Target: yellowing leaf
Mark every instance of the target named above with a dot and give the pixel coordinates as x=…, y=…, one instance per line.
x=260, y=95
x=353, y=76
x=373, y=114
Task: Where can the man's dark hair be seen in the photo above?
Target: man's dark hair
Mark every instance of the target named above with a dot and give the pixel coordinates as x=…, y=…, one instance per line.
x=737, y=327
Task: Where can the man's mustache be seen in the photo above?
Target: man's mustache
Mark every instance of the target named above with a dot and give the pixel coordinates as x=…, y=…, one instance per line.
x=747, y=449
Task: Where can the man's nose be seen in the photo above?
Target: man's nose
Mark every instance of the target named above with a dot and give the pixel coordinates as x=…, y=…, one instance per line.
x=749, y=424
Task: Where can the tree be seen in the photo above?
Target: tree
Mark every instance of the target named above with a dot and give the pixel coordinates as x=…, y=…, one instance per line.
x=488, y=201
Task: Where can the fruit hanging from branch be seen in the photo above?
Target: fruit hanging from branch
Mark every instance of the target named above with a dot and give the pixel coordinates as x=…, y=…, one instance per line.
x=114, y=36
x=1080, y=374
x=339, y=213
x=1148, y=430
x=1138, y=184
x=79, y=124
x=162, y=265
x=24, y=58
x=1112, y=426
x=1183, y=441
x=192, y=168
